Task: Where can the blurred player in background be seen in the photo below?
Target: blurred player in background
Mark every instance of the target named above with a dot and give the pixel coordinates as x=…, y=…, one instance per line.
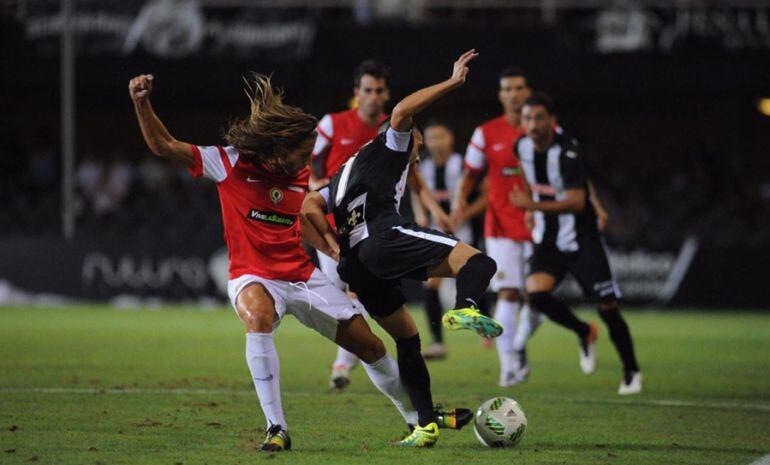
x=567, y=239
x=378, y=247
x=262, y=179
x=340, y=135
x=441, y=169
x=507, y=236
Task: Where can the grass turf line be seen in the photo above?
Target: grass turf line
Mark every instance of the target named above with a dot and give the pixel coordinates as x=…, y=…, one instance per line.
x=186, y=393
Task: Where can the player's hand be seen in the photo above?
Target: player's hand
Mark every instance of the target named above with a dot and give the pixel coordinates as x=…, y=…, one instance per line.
x=334, y=247
x=139, y=88
x=529, y=219
x=602, y=218
x=460, y=70
x=442, y=221
x=422, y=220
x=458, y=218
x=521, y=199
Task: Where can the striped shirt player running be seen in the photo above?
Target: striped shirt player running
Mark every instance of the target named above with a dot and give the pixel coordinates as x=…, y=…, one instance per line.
x=340, y=135
x=442, y=170
x=567, y=239
x=377, y=247
x=261, y=180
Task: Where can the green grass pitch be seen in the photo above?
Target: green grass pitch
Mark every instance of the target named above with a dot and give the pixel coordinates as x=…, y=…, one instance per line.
x=94, y=385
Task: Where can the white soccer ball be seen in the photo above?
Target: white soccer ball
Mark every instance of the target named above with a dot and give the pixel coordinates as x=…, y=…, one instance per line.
x=500, y=422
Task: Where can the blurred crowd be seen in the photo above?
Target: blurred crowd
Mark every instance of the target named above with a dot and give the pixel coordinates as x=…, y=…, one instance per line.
x=137, y=195
x=117, y=194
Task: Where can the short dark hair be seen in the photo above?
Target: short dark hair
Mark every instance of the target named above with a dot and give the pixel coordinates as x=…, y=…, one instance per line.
x=437, y=122
x=512, y=71
x=540, y=99
x=372, y=68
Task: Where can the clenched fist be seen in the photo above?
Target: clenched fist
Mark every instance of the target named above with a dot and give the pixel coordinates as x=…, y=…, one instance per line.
x=139, y=88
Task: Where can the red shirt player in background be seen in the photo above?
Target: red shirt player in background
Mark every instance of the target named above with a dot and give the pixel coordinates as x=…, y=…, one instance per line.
x=340, y=135
x=262, y=180
x=506, y=228
x=506, y=234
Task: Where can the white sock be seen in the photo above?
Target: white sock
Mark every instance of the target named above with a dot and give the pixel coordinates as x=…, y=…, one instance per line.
x=384, y=375
x=529, y=321
x=345, y=358
x=265, y=372
x=506, y=313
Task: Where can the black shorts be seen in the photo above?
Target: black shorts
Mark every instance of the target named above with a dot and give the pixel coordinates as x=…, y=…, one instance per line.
x=589, y=266
x=404, y=251
x=374, y=268
x=381, y=297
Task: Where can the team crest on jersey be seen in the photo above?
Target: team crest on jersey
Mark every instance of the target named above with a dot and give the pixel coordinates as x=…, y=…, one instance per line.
x=276, y=195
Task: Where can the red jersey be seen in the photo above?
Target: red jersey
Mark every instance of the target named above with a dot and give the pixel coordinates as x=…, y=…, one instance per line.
x=340, y=135
x=492, y=147
x=260, y=212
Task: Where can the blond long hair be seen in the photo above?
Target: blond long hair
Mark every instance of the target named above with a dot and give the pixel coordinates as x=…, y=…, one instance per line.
x=273, y=131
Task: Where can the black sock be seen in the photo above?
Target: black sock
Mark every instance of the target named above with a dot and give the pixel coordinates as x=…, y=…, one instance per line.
x=473, y=280
x=414, y=374
x=558, y=312
x=484, y=305
x=621, y=338
x=433, y=307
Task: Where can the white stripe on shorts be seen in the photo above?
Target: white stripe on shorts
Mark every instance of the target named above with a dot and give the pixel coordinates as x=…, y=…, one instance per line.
x=426, y=236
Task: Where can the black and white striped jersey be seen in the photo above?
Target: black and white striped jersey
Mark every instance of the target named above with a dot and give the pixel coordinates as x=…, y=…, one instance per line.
x=366, y=192
x=549, y=174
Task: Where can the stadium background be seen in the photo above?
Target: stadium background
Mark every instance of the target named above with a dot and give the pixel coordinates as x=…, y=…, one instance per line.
x=111, y=260
x=668, y=101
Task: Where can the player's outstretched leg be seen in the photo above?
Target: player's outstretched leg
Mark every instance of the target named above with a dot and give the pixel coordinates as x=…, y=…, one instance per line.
x=621, y=338
x=507, y=313
x=355, y=334
x=436, y=350
x=561, y=314
x=414, y=375
x=473, y=271
x=529, y=321
x=340, y=377
x=256, y=309
x=345, y=360
x=539, y=289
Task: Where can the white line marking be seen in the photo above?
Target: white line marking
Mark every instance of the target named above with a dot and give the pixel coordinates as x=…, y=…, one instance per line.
x=762, y=460
x=725, y=405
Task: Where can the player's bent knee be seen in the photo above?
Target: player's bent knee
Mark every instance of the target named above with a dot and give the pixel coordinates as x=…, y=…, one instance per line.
x=608, y=303
x=355, y=336
x=373, y=351
x=482, y=264
x=539, y=300
x=509, y=295
x=257, y=321
x=540, y=282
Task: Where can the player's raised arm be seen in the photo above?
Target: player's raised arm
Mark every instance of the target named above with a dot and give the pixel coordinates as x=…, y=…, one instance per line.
x=406, y=109
x=156, y=135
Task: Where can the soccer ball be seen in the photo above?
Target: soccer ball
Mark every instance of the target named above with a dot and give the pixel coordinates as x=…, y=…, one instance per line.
x=500, y=422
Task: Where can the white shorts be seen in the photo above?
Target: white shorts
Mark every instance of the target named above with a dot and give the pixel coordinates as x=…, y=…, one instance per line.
x=511, y=258
x=317, y=304
x=329, y=267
